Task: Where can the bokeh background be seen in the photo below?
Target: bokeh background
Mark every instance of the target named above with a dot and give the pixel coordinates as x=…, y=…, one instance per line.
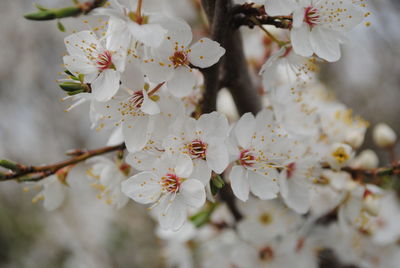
x=34, y=129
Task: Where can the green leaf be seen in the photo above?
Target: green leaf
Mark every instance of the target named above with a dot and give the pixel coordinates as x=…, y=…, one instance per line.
x=40, y=7
x=60, y=26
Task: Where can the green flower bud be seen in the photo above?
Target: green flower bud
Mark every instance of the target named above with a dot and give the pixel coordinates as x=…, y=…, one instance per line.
x=41, y=15
x=71, y=86
x=67, y=12
x=9, y=164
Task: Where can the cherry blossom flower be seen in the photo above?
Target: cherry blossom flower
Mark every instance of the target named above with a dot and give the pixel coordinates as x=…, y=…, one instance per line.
x=319, y=27
x=257, y=155
x=107, y=176
x=268, y=219
x=126, y=22
x=170, y=188
x=203, y=140
x=286, y=67
x=173, y=59
x=295, y=182
x=339, y=156
x=53, y=192
x=100, y=65
x=137, y=111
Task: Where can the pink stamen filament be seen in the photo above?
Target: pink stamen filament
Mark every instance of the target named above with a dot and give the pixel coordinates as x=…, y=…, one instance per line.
x=290, y=169
x=171, y=183
x=246, y=159
x=104, y=61
x=311, y=16
x=197, y=149
x=179, y=58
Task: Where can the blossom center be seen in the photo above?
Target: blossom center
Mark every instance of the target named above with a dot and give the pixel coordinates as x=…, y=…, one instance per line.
x=265, y=218
x=340, y=155
x=266, y=254
x=171, y=183
x=311, y=16
x=179, y=58
x=197, y=149
x=104, y=61
x=290, y=170
x=246, y=159
x=136, y=99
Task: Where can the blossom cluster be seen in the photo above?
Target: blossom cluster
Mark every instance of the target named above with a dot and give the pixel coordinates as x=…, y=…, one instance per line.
x=286, y=165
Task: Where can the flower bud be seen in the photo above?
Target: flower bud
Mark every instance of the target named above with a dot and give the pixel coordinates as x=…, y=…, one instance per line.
x=50, y=14
x=355, y=139
x=367, y=159
x=384, y=136
x=41, y=15
x=339, y=155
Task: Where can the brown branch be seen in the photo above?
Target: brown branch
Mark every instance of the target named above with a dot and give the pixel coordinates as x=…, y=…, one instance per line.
x=216, y=11
x=39, y=172
x=243, y=14
x=232, y=70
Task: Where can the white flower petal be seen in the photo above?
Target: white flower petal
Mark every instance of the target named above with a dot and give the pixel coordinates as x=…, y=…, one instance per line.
x=239, y=183
x=205, y=53
x=295, y=192
x=106, y=85
x=54, y=194
x=325, y=44
x=149, y=106
x=136, y=132
x=178, y=30
x=149, y=34
x=264, y=187
x=183, y=166
x=193, y=193
x=79, y=64
x=182, y=82
x=213, y=124
x=244, y=129
x=300, y=41
x=171, y=212
x=79, y=44
x=144, y=187
x=217, y=157
x=201, y=171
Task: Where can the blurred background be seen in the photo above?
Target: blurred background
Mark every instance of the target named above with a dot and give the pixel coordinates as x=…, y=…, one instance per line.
x=34, y=129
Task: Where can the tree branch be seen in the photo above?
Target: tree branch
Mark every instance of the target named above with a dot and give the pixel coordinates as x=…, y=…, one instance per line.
x=232, y=70
x=40, y=172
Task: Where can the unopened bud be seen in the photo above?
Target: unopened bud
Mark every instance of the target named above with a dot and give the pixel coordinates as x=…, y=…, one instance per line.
x=384, y=136
x=67, y=12
x=41, y=15
x=355, y=139
x=51, y=14
x=367, y=159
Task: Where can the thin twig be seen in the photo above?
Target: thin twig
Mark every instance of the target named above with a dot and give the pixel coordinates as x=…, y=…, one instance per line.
x=40, y=172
